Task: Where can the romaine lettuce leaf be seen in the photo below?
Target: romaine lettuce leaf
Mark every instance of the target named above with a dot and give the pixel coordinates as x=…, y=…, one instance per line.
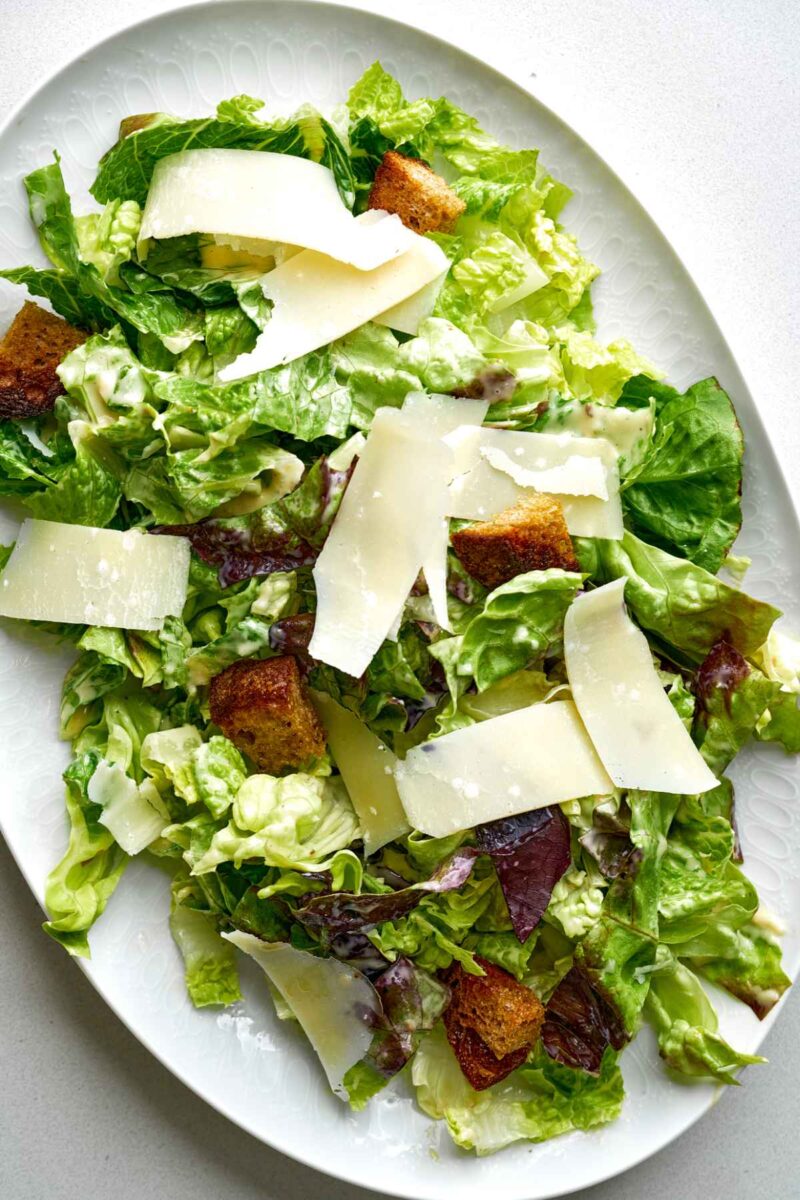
x=686, y=1024
x=683, y=605
x=686, y=495
x=209, y=961
x=79, y=888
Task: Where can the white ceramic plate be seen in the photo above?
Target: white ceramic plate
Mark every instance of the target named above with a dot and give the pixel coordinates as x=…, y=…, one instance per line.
x=262, y=1075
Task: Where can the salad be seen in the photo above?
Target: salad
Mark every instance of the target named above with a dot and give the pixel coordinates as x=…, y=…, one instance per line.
x=408, y=634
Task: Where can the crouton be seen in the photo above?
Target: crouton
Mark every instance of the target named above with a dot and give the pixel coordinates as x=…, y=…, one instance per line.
x=530, y=536
x=491, y=1022
x=265, y=710
x=31, y=350
x=420, y=197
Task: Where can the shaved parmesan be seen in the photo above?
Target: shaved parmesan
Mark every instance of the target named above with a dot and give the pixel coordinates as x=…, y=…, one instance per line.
x=84, y=576
x=238, y=195
x=527, y=759
x=637, y=733
x=443, y=417
x=434, y=568
x=131, y=813
x=408, y=315
x=317, y=300
x=482, y=491
x=388, y=519
x=336, y=1005
x=366, y=765
x=576, y=476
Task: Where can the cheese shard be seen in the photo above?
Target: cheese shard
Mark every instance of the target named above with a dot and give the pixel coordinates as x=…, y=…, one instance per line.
x=408, y=315
x=576, y=476
x=443, y=417
x=366, y=765
x=79, y=575
x=317, y=299
x=388, y=518
x=526, y=759
x=244, y=195
x=131, y=813
x=638, y=735
x=335, y=1004
x=482, y=491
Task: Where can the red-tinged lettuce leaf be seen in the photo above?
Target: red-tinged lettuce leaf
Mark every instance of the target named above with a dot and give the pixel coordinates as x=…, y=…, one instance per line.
x=530, y=854
x=732, y=697
x=614, y=853
x=291, y=635
x=580, y=1024
x=241, y=550
x=721, y=672
x=358, y=951
x=280, y=537
x=343, y=912
x=412, y=1001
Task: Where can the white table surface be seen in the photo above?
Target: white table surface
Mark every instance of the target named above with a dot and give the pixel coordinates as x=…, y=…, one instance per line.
x=696, y=105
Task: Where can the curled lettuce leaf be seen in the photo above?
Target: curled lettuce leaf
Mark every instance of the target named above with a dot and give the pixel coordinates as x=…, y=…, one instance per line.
x=297, y=822
x=686, y=1024
x=79, y=888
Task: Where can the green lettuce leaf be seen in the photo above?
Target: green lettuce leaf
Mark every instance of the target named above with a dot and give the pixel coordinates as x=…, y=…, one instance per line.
x=686, y=1024
x=748, y=965
x=518, y=622
x=686, y=495
x=209, y=961
x=86, y=492
x=297, y=822
x=538, y=1101
x=78, y=889
x=684, y=606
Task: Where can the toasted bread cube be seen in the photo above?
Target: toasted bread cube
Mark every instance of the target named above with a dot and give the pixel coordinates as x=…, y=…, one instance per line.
x=479, y=1066
x=530, y=536
x=265, y=710
x=31, y=350
x=505, y=1014
x=491, y=1022
x=420, y=197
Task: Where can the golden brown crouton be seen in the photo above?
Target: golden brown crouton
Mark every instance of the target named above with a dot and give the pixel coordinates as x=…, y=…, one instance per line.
x=265, y=710
x=420, y=197
x=31, y=350
x=491, y=1023
x=530, y=536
